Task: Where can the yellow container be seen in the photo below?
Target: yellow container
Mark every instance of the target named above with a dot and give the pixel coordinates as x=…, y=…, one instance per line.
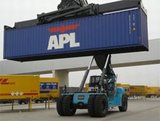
x=139, y=90
x=157, y=91
x=19, y=87
x=86, y=88
x=118, y=84
x=153, y=91
x=49, y=88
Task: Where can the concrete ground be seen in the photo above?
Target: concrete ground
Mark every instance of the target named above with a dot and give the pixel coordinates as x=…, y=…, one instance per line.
x=139, y=110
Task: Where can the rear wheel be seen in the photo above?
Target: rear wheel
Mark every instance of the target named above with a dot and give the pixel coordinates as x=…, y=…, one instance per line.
x=101, y=106
x=124, y=106
x=20, y=102
x=68, y=106
x=91, y=105
x=59, y=106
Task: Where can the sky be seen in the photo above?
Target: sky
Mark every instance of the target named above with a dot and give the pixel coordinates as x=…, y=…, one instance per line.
x=12, y=11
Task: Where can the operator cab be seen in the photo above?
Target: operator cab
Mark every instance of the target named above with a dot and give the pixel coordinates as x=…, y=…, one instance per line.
x=94, y=83
x=108, y=84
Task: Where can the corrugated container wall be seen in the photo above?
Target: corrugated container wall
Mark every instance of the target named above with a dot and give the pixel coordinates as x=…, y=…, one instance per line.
x=116, y=32
x=19, y=87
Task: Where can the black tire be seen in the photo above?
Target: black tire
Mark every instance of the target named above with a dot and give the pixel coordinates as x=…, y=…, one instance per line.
x=20, y=102
x=41, y=101
x=124, y=106
x=25, y=101
x=59, y=106
x=68, y=107
x=36, y=101
x=101, y=106
x=91, y=109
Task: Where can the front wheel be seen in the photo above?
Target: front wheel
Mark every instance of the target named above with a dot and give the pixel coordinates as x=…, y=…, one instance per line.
x=68, y=106
x=124, y=106
x=101, y=105
x=91, y=107
x=59, y=106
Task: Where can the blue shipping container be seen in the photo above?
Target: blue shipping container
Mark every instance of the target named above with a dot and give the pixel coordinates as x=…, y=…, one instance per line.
x=116, y=32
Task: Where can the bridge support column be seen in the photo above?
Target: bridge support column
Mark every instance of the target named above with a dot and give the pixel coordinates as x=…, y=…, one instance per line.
x=63, y=76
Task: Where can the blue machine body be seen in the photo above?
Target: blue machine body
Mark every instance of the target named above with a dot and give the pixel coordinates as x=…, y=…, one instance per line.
x=115, y=32
x=81, y=99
